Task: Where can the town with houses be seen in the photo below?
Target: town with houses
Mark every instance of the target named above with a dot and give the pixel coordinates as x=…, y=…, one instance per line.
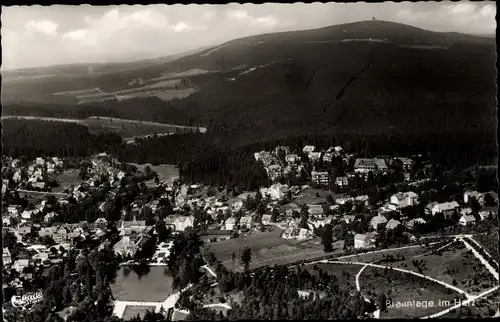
x=304, y=196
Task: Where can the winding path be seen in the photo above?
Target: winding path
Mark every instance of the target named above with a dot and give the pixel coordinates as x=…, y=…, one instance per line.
x=456, y=289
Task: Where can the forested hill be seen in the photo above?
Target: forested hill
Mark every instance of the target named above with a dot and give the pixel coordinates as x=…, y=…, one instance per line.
x=369, y=78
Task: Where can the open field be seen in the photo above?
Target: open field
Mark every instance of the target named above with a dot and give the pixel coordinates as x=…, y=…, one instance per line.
x=454, y=263
x=165, y=171
x=66, y=179
x=154, y=287
x=132, y=128
x=167, y=87
x=308, y=196
x=400, y=287
x=268, y=248
x=132, y=311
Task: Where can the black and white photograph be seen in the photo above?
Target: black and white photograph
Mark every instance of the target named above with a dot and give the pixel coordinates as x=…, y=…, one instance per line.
x=255, y=161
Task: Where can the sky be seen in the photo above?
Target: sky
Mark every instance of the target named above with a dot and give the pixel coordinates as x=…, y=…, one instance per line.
x=51, y=35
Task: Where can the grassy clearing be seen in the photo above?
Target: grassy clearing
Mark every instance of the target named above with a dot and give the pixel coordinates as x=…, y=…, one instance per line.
x=131, y=311
x=154, y=287
x=164, y=171
x=268, y=248
x=400, y=288
x=130, y=128
x=454, y=263
x=66, y=179
x=309, y=196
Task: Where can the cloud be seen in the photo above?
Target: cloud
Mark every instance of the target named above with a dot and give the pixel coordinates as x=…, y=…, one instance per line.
x=267, y=21
x=242, y=16
x=47, y=27
x=461, y=8
x=114, y=20
x=78, y=34
x=452, y=16
x=237, y=14
x=209, y=15
x=182, y=26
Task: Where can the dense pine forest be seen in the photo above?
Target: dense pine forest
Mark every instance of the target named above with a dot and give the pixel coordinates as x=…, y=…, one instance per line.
x=34, y=138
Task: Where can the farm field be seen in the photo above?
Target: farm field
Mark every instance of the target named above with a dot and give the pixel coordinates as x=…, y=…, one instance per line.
x=454, y=263
x=268, y=248
x=131, y=128
x=401, y=287
x=131, y=311
x=153, y=287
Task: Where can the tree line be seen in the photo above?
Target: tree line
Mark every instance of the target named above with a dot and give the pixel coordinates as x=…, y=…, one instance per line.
x=37, y=138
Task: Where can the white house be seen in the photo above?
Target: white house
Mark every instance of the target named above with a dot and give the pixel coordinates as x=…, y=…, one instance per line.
x=314, y=156
x=392, y=224
x=6, y=257
x=417, y=221
x=230, y=223
x=485, y=214
x=467, y=220
x=246, y=221
x=363, y=165
x=304, y=234
x=472, y=194
x=125, y=247
x=20, y=264
x=308, y=149
x=27, y=214
x=315, y=211
x=349, y=218
x=445, y=208
x=101, y=222
x=320, y=177
x=277, y=191
x=364, y=241
x=292, y=158
x=183, y=222
x=342, y=181
x=402, y=200
x=377, y=220
x=266, y=219
x=49, y=217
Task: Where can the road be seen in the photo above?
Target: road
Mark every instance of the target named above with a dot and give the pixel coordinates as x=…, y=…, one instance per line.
x=480, y=257
x=456, y=289
x=479, y=245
